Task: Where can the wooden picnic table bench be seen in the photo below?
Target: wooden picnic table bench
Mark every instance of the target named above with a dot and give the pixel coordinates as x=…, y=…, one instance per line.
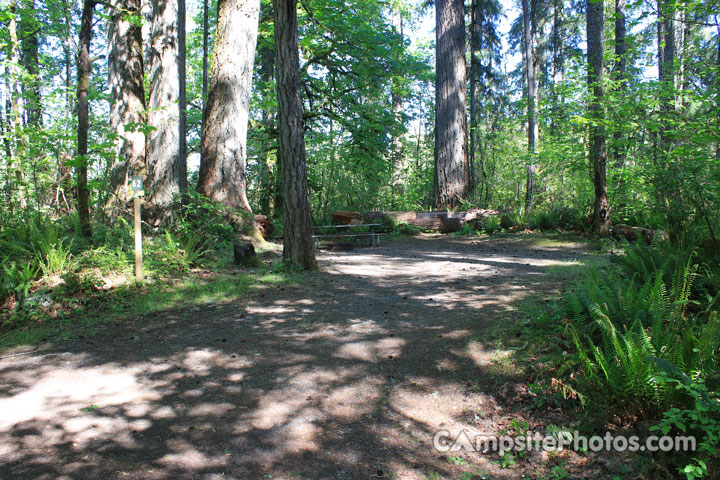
x=374, y=236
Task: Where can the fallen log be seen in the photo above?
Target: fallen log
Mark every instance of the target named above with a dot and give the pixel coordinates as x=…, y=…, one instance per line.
x=264, y=225
x=443, y=221
x=631, y=234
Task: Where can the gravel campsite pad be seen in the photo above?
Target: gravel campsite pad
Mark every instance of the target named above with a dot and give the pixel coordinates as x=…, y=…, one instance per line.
x=346, y=374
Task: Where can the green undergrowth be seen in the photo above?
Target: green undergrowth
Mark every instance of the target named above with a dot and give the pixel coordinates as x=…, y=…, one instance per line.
x=52, y=278
x=635, y=342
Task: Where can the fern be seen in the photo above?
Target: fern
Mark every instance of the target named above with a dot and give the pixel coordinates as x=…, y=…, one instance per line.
x=630, y=324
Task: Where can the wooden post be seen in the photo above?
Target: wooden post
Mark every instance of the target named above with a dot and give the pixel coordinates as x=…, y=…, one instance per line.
x=138, y=241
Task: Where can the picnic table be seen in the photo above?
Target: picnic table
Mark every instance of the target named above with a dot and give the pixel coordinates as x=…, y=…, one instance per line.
x=371, y=234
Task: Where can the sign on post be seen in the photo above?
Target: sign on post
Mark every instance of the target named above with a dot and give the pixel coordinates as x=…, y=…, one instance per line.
x=136, y=187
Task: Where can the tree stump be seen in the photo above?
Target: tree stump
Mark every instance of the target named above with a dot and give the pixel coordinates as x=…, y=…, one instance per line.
x=245, y=255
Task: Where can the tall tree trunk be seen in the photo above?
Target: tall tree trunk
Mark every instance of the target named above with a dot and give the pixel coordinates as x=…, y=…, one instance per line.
x=717, y=90
x=620, y=75
x=64, y=188
x=598, y=156
x=666, y=64
x=166, y=156
x=29, y=44
x=397, y=106
x=224, y=137
x=83, y=70
x=451, y=165
x=532, y=131
x=667, y=177
x=5, y=129
x=476, y=21
x=297, y=238
x=206, y=46
x=266, y=52
x=127, y=91
x=558, y=44
x=17, y=107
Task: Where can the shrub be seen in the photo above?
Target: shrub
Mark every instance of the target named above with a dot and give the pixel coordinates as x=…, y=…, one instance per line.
x=181, y=253
x=631, y=325
x=55, y=258
x=200, y=217
x=492, y=224
x=566, y=218
x=701, y=419
x=508, y=221
x=405, y=228
x=17, y=279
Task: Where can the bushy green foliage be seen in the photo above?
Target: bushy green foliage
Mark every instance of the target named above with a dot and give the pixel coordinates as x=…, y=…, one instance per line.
x=405, y=228
x=202, y=218
x=701, y=419
x=631, y=325
x=182, y=252
x=492, y=224
x=556, y=217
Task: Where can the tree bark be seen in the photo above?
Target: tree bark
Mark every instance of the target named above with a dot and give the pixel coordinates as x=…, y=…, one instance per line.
x=297, y=238
x=166, y=156
x=206, y=52
x=476, y=20
x=717, y=91
x=17, y=111
x=620, y=74
x=598, y=156
x=451, y=165
x=396, y=102
x=666, y=61
x=83, y=71
x=266, y=54
x=30, y=30
x=223, y=152
x=127, y=91
x=532, y=131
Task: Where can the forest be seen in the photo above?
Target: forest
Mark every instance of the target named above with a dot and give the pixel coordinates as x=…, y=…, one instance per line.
x=582, y=137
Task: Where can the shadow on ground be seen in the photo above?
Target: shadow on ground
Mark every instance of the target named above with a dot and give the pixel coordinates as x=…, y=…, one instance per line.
x=346, y=375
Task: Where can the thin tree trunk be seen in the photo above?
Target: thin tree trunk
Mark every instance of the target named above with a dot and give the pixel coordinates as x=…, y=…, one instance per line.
x=532, y=130
x=29, y=45
x=667, y=177
x=166, y=156
x=5, y=129
x=267, y=74
x=717, y=91
x=475, y=67
x=598, y=156
x=297, y=239
x=127, y=91
x=83, y=69
x=620, y=74
x=558, y=60
x=666, y=61
x=64, y=173
x=206, y=34
x=223, y=152
x=397, y=107
x=451, y=165
x=17, y=107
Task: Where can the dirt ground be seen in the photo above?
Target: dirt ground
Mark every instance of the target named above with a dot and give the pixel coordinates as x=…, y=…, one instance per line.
x=346, y=375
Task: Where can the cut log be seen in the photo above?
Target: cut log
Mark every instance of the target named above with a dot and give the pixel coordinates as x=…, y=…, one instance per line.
x=443, y=222
x=244, y=254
